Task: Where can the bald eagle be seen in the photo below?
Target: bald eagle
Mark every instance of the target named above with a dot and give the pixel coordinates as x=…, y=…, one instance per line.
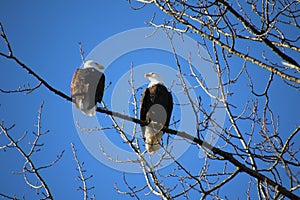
x=156, y=109
x=87, y=87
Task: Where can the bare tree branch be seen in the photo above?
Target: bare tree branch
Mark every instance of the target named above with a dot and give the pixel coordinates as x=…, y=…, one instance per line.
x=238, y=153
x=82, y=176
x=25, y=88
x=29, y=166
x=209, y=19
x=225, y=155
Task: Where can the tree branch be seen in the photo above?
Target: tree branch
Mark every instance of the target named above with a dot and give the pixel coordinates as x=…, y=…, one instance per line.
x=33, y=169
x=225, y=155
x=81, y=171
x=261, y=36
x=216, y=39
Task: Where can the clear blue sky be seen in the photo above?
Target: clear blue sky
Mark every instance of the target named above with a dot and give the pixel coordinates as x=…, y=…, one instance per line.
x=45, y=36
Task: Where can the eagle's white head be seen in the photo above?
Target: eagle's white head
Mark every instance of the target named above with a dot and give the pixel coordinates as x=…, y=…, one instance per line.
x=93, y=64
x=154, y=78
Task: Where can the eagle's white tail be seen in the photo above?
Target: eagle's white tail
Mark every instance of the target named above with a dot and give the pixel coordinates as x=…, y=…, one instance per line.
x=152, y=139
x=83, y=106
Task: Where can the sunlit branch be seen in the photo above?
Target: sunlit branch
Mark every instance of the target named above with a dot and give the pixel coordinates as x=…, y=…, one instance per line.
x=25, y=88
x=261, y=35
x=81, y=176
x=28, y=160
x=133, y=191
x=179, y=16
x=229, y=178
x=81, y=52
x=147, y=169
x=184, y=86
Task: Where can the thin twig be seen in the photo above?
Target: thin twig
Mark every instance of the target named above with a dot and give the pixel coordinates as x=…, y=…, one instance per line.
x=81, y=172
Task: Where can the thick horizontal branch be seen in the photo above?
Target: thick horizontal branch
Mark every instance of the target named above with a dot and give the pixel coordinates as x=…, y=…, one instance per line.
x=225, y=155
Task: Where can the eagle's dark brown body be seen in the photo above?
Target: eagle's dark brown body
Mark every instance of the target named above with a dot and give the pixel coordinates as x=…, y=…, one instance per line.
x=156, y=107
x=87, y=89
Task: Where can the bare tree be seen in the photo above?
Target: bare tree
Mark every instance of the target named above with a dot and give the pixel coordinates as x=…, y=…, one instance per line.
x=30, y=171
x=264, y=25
x=238, y=36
